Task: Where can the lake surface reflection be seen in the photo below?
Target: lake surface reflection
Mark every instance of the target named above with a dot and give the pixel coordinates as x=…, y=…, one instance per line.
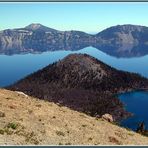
x=16, y=67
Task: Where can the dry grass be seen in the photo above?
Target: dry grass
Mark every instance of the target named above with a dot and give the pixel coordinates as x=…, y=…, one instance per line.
x=33, y=121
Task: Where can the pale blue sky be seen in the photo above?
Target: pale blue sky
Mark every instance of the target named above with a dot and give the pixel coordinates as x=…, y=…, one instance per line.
x=88, y=17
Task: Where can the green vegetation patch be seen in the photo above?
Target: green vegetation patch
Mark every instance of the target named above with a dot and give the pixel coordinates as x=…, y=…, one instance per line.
x=12, y=125
x=9, y=128
x=2, y=131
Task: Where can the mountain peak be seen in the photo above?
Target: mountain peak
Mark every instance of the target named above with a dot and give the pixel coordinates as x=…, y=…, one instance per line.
x=38, y=26
x=34, y=26
x=81, y=63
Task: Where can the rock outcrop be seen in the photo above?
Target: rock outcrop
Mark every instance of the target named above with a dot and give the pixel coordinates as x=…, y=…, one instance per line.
x=108, y=117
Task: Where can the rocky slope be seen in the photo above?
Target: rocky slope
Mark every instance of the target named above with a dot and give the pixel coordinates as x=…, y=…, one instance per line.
x=39, y=38
x=123, y=40
x=29, y=121
x=82, y=83
x=119, y=41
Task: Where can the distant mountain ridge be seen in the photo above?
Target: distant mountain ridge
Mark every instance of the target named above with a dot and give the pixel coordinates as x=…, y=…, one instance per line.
x=120, y=41
x=83, y=83
x=123, y=39
x=38, y=38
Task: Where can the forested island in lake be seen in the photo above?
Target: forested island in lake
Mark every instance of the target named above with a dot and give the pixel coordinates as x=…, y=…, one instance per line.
x=82, y=83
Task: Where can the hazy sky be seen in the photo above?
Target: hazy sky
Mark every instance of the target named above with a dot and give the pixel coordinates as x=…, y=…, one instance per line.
x=89, y=17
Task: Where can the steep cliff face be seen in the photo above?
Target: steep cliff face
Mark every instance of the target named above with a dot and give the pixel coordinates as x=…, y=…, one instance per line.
x=37, y=37
x=48, y=41
x=125, y=34
x=12, y=40
x=123, y=40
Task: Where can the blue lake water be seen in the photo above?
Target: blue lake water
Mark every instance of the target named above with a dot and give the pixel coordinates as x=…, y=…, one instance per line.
x=136, y=103
x=13, y=68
